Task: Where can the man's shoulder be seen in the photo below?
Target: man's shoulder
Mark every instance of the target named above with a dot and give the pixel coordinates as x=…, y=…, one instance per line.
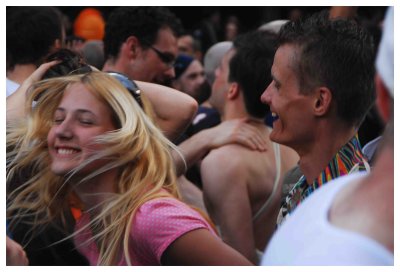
x=231, y=154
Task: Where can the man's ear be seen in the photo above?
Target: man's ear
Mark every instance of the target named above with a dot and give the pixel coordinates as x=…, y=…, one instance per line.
x=322, y=101
x=233, y=91
x=131, y=47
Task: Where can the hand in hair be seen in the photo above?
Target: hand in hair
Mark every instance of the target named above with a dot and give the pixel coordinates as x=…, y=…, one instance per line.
x=17, y=99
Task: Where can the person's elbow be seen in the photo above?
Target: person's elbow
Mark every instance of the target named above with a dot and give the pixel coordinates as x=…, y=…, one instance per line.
x=188, y=110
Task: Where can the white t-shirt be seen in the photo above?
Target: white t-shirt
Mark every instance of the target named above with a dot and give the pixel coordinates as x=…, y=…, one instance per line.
x=11, y=86
x=308, y=238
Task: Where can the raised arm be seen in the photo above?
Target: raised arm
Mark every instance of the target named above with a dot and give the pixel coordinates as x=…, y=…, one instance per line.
x=15, y=104
x=174, y=110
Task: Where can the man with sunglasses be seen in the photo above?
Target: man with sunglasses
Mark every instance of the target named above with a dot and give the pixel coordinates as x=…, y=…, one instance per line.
x=141, y=42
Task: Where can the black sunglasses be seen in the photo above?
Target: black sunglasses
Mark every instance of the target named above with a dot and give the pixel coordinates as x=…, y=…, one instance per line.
x=168, y=58
x=130, y=85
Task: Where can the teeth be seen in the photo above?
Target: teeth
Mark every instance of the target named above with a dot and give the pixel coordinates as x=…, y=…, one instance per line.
x=63, y=151
x=274, y=114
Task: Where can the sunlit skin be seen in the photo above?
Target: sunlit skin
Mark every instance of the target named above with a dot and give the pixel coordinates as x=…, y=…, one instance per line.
x=78, y=119
x=292, y=109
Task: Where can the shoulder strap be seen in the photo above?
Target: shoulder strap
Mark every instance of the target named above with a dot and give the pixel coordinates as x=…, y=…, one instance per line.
x=277, y=154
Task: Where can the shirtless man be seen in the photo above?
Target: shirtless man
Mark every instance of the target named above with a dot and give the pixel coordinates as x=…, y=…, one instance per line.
x=237, y=181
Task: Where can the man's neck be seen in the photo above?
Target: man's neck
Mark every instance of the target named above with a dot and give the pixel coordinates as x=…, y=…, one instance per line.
x=21, y=72
x=315, y=156
x=234, y=110
x=113, y=65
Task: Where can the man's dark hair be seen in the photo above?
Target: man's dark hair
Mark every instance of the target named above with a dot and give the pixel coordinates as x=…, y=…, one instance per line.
x=250, y=68
x=141, y=22
x=31, y=32
x=337, y=54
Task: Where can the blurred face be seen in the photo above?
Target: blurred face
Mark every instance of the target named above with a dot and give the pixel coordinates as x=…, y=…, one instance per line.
x=156, y=63
x=78, y=119
x=293, y=125
x=191, y=80
x=186, y=45
x=221, y=84
x=231, y=31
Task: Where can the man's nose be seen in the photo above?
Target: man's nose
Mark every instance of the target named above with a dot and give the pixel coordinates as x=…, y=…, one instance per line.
x=266, y=95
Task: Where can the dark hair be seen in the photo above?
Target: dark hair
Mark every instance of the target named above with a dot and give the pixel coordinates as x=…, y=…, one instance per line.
x=31, y=32
x=250, y=68
x=70, y=62
x=141, y=22
x=337, y=54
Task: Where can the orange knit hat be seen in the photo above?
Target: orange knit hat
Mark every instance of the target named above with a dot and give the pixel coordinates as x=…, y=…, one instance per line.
x=89, y=24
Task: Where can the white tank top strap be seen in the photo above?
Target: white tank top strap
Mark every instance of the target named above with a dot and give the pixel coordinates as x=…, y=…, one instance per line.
x=277, y=155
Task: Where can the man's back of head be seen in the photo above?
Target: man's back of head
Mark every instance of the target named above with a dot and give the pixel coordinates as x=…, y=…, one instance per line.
x=250, y=68
x=213, y=57
x=337, y=54
x=31, y=34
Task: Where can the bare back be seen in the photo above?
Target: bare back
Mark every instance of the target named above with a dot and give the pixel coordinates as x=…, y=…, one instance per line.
x=237, y=182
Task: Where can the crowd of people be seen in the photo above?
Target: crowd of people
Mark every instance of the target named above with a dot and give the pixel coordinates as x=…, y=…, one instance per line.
x=132, y=145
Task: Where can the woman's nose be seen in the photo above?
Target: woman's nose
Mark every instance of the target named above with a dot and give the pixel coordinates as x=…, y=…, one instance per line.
x=64, y=130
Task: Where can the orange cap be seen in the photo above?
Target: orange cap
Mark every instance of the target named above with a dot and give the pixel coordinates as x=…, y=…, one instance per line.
x=89, y=24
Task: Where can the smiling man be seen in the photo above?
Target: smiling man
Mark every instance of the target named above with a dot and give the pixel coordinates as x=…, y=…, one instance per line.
x=321, y=89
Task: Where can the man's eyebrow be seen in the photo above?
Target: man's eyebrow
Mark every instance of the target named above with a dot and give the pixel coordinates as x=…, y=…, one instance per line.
x=275, y=79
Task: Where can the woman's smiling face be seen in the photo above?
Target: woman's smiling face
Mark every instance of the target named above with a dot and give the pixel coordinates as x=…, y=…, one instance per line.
x=79, y=118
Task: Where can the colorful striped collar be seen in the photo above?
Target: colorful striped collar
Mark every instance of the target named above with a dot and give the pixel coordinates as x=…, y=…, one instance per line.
x=348, y=159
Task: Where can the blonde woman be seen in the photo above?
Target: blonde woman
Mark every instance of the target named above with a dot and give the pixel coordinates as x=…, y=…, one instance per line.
x=91, y=144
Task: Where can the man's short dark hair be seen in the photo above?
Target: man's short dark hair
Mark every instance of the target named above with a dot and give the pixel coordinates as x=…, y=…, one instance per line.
x=250, y=68
x=31, y=32
x=141, y=22
x=337, y=54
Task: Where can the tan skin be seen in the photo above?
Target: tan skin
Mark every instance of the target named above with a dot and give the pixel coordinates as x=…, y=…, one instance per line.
x=307, y=123
x=242, y=176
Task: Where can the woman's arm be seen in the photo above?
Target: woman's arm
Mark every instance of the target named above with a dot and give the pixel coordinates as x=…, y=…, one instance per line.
x=174, y=110
x=200, y=247
x=15, y=104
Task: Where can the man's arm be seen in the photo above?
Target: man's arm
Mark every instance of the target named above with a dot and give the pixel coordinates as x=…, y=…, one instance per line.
x=227, y=199
x=174, y=110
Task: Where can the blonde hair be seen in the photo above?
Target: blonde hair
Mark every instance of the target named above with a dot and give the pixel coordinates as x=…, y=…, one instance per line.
x=137, y=148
